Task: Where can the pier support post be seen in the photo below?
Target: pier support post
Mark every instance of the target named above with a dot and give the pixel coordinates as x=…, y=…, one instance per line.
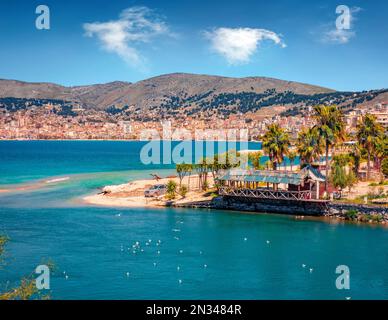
x=317, y=190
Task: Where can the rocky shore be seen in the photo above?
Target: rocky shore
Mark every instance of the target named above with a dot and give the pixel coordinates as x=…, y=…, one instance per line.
x=350, y=212
x=358, y=212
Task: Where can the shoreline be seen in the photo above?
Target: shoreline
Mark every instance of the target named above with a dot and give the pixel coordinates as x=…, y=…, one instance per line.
x=131, y=195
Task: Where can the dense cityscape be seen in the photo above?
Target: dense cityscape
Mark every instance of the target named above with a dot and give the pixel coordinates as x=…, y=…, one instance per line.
x=48, y=121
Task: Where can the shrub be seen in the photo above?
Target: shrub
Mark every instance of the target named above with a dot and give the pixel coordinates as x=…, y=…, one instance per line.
x=171, y=189
x=351, y=214
x=217, y=184
x=183, y=190
x=374, y=218
x=255, y=159
x=365, y=217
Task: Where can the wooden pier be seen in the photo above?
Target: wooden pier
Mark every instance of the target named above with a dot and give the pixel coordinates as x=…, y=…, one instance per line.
x=281, y=186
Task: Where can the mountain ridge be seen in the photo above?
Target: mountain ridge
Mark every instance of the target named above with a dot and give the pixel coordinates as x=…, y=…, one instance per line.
x=101, y=95
x=185, y=94
x=160, y=76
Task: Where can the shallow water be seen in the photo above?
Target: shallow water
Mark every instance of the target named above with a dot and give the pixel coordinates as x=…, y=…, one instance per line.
x=215, y=254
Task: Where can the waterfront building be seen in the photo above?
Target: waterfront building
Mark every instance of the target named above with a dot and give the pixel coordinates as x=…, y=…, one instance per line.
x=302, y=186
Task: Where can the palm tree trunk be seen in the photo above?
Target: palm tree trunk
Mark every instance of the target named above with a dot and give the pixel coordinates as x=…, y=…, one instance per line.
x=368, y=165
x=327, y=165
x=381, y=176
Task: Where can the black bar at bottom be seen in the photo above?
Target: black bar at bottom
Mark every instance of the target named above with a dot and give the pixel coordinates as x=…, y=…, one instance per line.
x=195, y=309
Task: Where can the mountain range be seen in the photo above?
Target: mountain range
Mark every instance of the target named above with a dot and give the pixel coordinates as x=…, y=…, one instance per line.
x=189, y=93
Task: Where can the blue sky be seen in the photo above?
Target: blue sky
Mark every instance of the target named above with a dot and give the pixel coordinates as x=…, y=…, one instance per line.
x=96, y=41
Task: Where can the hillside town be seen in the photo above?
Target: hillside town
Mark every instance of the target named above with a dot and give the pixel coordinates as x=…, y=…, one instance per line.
x=44, y=122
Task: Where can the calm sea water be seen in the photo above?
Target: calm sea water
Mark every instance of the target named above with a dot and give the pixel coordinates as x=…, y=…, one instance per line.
x=192, y=253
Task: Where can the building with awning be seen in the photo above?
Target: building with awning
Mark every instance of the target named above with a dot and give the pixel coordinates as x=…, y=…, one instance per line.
x=305, y=185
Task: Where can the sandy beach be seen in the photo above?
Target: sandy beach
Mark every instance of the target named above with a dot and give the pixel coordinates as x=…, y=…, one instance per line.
x=131, y=194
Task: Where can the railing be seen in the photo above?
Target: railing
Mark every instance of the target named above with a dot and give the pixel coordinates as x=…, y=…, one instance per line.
x=266, y=194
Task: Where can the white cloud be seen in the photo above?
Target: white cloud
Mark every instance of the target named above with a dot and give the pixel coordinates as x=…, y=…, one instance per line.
x=239, y=44
x=135, y=25
x=342, y=36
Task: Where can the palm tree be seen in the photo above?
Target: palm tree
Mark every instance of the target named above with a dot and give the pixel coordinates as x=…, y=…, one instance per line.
x=276, y=143
x=331, y=127
x=183, y=169
x=368, y=133
x=309, y=146
x=356, y=155
x=202, y=168
x=381, y=152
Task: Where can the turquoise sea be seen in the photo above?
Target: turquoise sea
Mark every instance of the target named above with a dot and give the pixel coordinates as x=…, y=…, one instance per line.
x=182, y=253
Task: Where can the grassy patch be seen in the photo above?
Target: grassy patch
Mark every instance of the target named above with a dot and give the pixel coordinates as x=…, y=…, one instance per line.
x=377, y=184
x=371, y=218
x=351, y=214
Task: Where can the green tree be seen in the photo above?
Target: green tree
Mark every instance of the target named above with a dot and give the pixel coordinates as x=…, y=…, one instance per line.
x=171, y=189
x=183, y=190
x=25, y=291
x=276, y=143
x=255, y=159
x=351, y=180
x=338, y=177
x=330, y=127
x=227, y=160
x=27, y=288
x=222, y=161
x=368, y=132
x=309, y=145
x=203, y=168
x=342, y=160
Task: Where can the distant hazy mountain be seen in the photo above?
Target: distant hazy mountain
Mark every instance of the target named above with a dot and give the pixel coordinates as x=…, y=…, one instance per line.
x=98, y=95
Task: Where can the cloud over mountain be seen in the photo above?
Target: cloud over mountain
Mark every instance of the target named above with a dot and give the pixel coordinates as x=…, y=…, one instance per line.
x=238, y=45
